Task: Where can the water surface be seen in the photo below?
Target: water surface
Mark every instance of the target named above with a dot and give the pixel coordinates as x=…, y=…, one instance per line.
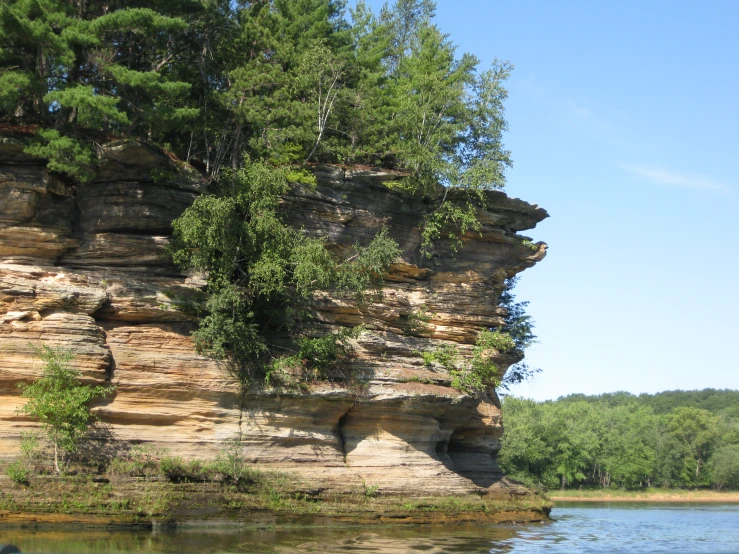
x=614, y=527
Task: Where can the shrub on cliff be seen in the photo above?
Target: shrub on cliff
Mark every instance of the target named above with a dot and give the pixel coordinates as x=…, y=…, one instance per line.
x=60, y=403
x=262, y=274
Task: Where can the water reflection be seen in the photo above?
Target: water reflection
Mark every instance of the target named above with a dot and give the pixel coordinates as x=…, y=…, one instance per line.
x=375, y=540
x=576, y=528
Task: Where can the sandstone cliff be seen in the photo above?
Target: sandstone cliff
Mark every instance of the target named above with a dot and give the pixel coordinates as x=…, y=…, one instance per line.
x=83, y=266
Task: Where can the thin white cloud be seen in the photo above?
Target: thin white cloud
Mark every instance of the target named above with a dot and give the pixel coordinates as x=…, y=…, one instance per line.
x=677, y=180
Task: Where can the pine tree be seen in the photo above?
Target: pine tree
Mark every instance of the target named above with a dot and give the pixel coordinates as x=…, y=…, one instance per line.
x=89, y=67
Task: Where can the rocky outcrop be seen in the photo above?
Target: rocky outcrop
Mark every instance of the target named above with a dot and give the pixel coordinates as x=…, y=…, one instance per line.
x=84, y=266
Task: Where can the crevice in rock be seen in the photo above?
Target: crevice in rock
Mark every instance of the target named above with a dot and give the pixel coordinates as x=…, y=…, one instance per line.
x=242, y=401
x=76, y=231
x=110, y=370
x=340, y=432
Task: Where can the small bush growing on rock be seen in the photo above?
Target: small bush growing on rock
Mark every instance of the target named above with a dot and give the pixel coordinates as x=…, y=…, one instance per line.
x=140, y=461
x=416, y=324
x=446, y=355
x=370, y=491
x=473, y=376
x=317, y=359
x=60, y=402
x=176, y=469
x=18, y=472
x=232, y=468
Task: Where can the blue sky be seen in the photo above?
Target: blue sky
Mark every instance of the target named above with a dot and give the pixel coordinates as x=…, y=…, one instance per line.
x=623, y=125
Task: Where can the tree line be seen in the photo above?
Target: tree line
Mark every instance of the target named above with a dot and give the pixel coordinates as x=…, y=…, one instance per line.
x=675, y=439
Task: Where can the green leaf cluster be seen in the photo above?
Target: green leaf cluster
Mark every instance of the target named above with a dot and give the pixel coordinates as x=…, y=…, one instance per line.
x=262, y=275
x=475, y=374
x=83, y=67
x=317, y=359
x=59, y=402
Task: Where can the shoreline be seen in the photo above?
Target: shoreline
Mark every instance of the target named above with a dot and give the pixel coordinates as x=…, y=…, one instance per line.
x=281, y=502
x=272, y=520
x=684, y=497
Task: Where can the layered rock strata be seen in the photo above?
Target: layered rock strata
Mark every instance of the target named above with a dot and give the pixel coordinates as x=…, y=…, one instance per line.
x=84, y=267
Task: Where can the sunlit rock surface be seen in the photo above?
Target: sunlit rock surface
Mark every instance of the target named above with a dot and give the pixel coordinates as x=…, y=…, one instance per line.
x=84, y=267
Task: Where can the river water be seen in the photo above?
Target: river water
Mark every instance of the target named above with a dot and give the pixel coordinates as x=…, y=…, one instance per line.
x=615, y=527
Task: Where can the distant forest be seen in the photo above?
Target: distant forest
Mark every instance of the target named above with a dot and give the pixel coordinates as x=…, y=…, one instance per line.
x=680, y=439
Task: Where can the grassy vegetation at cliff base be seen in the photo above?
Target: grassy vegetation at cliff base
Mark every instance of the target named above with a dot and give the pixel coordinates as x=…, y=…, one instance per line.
x=282, y=497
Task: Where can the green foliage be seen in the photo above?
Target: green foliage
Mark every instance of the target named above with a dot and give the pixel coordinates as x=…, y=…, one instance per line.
x=262, y=274
x=229, y=468
x=59, y=402
x=287, y=82
x=368, y=267
x=617, y=440
x=139, y=461
x=88, y=66
x=480, y=371
x=416, y=323
x=317, y=359
x=30, y=447
x=232, y=464
x=92, y=109
x=446, y=355
x=13, y=83
x=519, y=326
x=451, y=220
x=21, y=470
x=65, y=154
x=527, y=451
x=160, y=175
x=725, y=467
x=475, y=374
x=716, y=401
x=487, y=340
x=18, y=472
x=178, y=470
x=370, y=491
x=696, y=433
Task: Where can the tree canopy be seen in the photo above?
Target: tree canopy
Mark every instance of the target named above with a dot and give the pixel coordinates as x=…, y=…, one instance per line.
x=624, y=440
x=275, y=80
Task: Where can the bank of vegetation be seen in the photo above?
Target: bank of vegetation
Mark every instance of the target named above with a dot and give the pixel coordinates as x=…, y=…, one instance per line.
x=141, y=485
x=674, y=439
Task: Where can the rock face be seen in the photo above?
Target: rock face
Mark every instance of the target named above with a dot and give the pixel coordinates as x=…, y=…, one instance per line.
x=84, y=266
